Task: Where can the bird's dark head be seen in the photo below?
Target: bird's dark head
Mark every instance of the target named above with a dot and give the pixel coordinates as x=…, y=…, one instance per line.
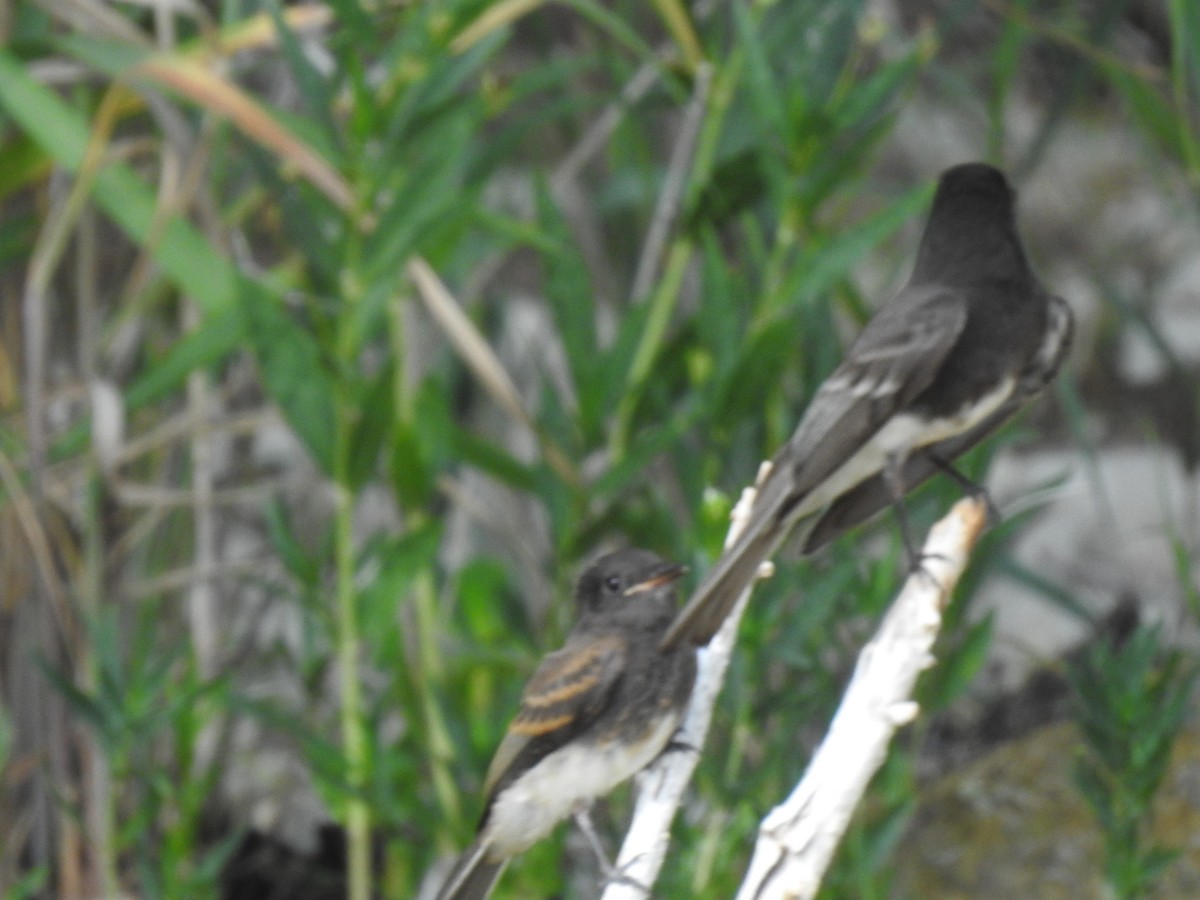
x=629, y=584
x=971, y=231
x=977, y=180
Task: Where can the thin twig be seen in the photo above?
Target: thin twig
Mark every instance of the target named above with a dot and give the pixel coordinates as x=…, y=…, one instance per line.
x=202, y=600
x=130, y=493
x=1017, y=12
x=482, y=361
x=666, y=210
x=35, y=533
x=188, y=576
x=597, y=134
x=48, y=728
x=99, y=801
x=499, y=522
x=576, y=203
x=185, y=426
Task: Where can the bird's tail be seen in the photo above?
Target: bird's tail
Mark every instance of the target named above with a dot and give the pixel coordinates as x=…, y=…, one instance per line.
x=473, y=875
x=734, y=572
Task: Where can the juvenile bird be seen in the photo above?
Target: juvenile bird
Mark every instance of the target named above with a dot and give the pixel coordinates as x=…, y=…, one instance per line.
x=593, y=714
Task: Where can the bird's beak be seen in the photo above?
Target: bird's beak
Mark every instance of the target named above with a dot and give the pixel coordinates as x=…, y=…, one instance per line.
x=665, y=575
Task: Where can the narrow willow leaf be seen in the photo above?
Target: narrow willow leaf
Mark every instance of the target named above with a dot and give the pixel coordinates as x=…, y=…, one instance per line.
x=294, y=374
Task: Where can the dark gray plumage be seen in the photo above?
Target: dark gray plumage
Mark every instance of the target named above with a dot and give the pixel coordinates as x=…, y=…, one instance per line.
x=962, y=346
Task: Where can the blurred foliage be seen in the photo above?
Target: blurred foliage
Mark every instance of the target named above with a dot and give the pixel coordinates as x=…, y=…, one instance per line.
x=339, y=218
x=1131, y=705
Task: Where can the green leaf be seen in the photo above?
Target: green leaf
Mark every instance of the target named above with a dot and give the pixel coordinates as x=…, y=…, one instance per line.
x=433, y=427
x=569, y=291
x=615, y=26
x=1155, y=862
x=294, y=373
x=326, y=760
x=409, y=466
x=314, y=88
x=958, y=666
x=184, y=254
x=1155, y=114
x=480, y=583
x=494, y=460
x=402, y=559
x=373, y=420
x=871, y=95
x=831, y=257
x=427, y=195
x=736, y=184
x=84, y=705
x=765, y=94
x=28, y=885
x=17, y=234
x=755, y=374
x=113, y=58
x=831, y=43
x=212, y=340
x=299, y=561
x=617, y=362
x=647, y=444
x=24, y=163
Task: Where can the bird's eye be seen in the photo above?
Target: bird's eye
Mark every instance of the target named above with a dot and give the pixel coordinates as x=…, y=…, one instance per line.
x=613, y=583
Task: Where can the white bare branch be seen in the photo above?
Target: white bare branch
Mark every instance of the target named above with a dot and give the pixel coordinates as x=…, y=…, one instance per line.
x=797, y=839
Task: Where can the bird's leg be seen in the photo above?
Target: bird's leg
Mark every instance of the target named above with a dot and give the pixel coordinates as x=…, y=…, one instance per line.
x=975, y=490
x=584, y=820
x=893, y=476
x=611, y=873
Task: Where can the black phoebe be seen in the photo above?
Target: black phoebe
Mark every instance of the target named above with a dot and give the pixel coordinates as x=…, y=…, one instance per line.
x=944, y=362
x=594, y=713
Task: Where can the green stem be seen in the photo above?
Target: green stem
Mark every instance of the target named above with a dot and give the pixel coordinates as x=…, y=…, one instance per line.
x=429, y=673
x=720, y=97
x=661, y=307
x=354, y=739
x=425, y=667
x=349, y=642
x=675, y=17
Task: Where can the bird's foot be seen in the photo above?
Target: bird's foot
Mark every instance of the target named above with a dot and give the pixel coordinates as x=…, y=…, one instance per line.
x=616, y=875
x=610, y=873
x=677, y=745
x=973, y=489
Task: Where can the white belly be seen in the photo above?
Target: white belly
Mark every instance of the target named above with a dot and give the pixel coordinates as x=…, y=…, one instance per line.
x=567, y=780
x=901, y=435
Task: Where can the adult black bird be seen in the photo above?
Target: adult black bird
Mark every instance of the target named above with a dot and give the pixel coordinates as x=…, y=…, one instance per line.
x=594, y=713
x=965, y=343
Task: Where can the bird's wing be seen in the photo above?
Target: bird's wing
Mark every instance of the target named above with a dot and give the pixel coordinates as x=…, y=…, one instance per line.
x=869, y=497
x=893, y=360
x=569, y=687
